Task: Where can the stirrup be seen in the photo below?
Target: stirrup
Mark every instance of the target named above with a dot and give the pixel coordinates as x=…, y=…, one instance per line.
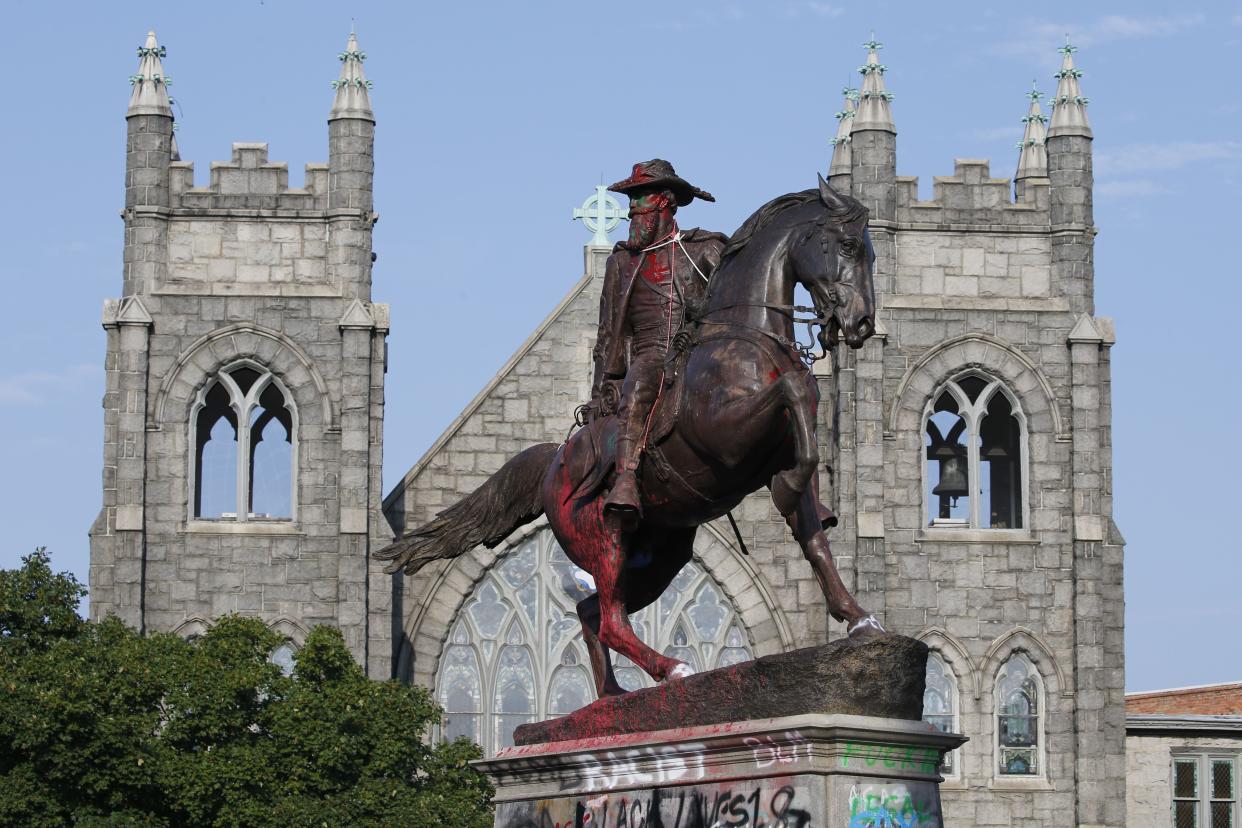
x=622, y=516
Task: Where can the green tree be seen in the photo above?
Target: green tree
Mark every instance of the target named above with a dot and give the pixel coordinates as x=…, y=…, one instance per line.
x=37, y=606
x=101, y=726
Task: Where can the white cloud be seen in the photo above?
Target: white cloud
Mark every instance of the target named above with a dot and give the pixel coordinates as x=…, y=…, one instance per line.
x=1120, y=27
x=1040, y=37
x=1149, y=158
x=1129, y=188
x=38, y=387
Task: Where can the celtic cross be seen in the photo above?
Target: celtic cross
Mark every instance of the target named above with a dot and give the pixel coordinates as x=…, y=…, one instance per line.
x=601, y=213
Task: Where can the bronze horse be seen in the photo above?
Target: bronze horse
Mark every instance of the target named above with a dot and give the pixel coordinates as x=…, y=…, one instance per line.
x=745, y=419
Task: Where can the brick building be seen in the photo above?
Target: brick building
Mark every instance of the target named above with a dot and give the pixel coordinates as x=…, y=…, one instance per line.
x=1183, y=750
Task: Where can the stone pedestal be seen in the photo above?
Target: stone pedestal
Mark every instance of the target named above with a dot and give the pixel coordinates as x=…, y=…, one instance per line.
x=812, y=769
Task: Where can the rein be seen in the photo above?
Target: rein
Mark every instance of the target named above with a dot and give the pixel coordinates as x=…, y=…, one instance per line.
x=806, y=353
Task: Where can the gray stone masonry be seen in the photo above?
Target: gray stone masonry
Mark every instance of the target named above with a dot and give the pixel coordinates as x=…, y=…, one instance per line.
x=246, y=269
x=1072, y=222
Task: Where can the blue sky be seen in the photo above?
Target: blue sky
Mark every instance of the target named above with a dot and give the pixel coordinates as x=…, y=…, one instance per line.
x=496, y=119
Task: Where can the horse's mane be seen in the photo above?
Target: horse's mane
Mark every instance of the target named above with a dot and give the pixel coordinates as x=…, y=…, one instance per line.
x=850, y=210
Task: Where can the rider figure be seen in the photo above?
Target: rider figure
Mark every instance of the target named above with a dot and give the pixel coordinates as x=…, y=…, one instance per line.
x=650, y=282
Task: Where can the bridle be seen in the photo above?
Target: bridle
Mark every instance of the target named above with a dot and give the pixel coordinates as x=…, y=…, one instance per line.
x=821, y=318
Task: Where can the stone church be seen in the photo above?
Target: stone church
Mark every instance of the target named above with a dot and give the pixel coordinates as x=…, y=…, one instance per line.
x=967, y=450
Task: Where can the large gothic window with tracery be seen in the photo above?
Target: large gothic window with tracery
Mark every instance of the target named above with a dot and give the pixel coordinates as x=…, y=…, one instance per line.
x=515, y=652
x=974, y=434
x=242, y=430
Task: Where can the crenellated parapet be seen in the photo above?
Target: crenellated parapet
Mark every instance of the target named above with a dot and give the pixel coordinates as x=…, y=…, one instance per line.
x=972, y=199
x=248, y=182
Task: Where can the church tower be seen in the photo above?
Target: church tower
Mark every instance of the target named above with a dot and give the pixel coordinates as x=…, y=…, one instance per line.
x=244, y=398
x=970, y=461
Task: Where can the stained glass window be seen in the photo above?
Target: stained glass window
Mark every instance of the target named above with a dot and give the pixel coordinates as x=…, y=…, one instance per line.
x=1018, y=717
x=940, y=703
x=515, y=652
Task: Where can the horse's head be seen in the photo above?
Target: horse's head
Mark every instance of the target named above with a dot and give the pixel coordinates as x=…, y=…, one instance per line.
x=834, y=262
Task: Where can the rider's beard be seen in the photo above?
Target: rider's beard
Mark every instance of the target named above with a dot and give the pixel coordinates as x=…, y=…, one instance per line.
x=647, y=228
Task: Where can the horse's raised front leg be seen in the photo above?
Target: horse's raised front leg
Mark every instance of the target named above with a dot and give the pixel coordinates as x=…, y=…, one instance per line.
x=788, y=486
x=804, y=520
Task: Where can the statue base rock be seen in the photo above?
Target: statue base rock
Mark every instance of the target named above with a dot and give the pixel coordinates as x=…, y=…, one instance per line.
x=813, y=760
x=874, y=677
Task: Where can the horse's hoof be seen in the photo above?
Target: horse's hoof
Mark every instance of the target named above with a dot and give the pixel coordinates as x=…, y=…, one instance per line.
x=681, y=671
x=866, y=627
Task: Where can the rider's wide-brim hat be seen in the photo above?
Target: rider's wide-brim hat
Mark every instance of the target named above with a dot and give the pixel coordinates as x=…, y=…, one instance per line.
x=659, y=173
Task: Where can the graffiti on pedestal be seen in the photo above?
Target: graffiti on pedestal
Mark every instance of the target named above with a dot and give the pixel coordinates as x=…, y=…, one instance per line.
x=892, y=757
x=892, y=806
x=639, y=767
x=759, y=804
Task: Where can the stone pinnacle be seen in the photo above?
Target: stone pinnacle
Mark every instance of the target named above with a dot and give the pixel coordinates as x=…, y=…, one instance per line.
x=874, y=111
x=353, y=98
x=150, y=95
x=1033, y=155
x=841, y=143
x=1069, y=107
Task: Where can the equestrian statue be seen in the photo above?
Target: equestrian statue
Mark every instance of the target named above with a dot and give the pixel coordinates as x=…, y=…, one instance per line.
x=701, y=396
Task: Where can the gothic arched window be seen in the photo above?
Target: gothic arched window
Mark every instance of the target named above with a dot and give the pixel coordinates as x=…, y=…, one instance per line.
x=940, y=703
x=1019, y=721
x=974, y=438
x=283, y=656
x=242, y=428
x=515, y=652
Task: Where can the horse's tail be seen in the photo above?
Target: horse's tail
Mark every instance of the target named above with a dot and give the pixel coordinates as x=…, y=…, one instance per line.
x=508, y=499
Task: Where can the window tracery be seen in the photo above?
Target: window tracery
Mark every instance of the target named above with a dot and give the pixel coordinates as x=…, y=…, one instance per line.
x=940, y=704
x=515, y=652
x=974, y=437
x=1019, y=722
x=243, y=430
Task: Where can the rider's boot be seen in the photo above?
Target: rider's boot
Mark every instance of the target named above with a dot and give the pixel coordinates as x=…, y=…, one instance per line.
x=623, y=507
